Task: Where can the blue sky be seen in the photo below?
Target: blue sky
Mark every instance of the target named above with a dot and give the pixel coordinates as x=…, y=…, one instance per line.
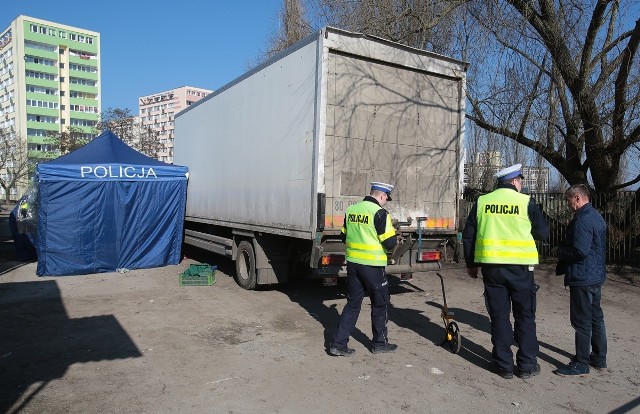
x=149, y=46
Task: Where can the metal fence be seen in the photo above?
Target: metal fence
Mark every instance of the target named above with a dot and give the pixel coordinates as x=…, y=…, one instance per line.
x=620, y=211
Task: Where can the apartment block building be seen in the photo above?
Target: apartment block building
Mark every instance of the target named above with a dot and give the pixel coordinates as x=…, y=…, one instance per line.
x=156, y=112
x=49, y=81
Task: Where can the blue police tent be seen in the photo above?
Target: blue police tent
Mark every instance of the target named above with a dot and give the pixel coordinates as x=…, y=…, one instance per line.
x=105, y=207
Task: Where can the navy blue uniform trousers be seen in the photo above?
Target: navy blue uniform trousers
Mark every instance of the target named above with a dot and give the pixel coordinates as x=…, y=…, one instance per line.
x=507, y=286
x=361, y=280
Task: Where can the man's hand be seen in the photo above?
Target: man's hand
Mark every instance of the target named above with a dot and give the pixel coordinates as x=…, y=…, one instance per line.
x=472, y=272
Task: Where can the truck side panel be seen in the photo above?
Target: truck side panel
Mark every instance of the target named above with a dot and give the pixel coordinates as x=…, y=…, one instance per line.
x=250, y=149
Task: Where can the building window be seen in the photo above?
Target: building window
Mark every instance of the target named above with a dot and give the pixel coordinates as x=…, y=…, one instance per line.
x=42, y=118
x=33, y=28
x=79, y=81
x=41, y=89
x=83, y=122
x=83, y=68
x=40, y=75
x=42, y=104
x=36, y=132
x=39, y=60
x=39, y=46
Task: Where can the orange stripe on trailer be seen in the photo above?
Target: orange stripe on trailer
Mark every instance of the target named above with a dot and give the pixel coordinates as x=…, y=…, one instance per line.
x=333, y=221
x=440, y=222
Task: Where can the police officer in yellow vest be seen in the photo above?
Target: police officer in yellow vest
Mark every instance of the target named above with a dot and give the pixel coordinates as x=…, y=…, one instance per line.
x=367, y=233
x=24, y=208
x=499, y=237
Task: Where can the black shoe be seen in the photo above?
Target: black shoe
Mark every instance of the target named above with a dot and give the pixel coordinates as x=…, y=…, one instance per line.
x=496, y=369
x=380, y=349
x=336, y=350
x=528, y=374
x=573, y=369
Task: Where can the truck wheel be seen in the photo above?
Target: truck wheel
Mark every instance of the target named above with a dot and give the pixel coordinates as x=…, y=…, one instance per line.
x=246, y=266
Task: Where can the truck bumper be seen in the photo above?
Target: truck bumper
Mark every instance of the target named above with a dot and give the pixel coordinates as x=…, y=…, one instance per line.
x=413, y=268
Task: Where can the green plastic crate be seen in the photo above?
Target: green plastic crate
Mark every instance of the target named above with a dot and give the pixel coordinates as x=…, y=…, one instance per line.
x=198, y=275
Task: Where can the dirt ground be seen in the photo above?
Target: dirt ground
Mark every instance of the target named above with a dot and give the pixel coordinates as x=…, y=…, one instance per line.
x=139, y=343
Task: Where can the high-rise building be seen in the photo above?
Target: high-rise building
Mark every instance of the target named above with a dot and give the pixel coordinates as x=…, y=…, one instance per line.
x=49, y=81
x=156, y=113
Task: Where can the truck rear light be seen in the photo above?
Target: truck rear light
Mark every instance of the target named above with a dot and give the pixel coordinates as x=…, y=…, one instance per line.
x=429, y=256
x=332, y=260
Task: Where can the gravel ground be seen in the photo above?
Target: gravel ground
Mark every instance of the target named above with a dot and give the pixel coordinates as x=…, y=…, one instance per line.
x=139, y=343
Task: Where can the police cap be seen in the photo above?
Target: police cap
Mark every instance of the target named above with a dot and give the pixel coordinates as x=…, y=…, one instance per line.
x=510, y=173
x=385, y=188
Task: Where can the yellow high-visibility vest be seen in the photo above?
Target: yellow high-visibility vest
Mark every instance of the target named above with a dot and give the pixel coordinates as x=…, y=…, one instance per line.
x=363, y=242
x=504, y=229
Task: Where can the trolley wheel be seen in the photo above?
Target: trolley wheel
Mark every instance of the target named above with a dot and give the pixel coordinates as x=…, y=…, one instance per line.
x=453, y=339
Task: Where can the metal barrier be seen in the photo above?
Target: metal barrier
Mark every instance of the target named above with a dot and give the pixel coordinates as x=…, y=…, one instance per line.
x=620, y=211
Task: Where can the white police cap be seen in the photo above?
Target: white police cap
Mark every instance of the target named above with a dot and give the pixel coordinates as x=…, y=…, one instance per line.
x=510, y=173
x=385, y=188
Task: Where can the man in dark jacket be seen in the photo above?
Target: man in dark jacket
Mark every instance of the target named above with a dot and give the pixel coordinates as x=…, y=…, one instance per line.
x=582, y=261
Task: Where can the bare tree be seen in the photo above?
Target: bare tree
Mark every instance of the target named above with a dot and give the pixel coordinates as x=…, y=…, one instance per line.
x=293, y=26
x=119, y=121
x=146, y=141
x=122, y=123
x=561, y=78
x=66, y=141
x=423, y=24
x=14, y=165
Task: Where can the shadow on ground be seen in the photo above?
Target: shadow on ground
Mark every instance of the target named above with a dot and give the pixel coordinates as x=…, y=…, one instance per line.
x=39, y=342
x=313, y=298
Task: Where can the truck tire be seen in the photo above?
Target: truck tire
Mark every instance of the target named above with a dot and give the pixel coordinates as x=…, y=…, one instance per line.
x=246, y=266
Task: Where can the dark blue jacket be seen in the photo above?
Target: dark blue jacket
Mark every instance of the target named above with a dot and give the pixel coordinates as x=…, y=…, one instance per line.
x=582, y=254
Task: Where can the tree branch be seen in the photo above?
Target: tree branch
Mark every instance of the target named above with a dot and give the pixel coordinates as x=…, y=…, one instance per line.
x=627, y=184
x=621, y=85
x=592, y=33
x=550, y=155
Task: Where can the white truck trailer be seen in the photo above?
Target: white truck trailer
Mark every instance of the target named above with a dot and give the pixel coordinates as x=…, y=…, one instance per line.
x=277, y=155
